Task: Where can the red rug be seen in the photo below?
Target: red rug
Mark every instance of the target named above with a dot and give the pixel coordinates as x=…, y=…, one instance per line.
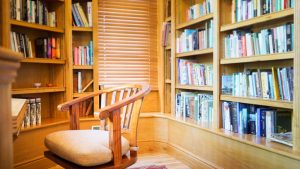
x=151, y=167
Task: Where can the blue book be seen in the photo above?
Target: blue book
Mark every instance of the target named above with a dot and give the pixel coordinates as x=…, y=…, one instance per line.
x=280, y=83
x=75, y=17
x=258, y=112
x=252, y=120
x=78, y=15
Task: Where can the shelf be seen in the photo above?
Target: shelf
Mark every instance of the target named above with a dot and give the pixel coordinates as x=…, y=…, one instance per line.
x=168, y=48
x=43, y=60
x=196, y=52
x=82, y=29
x=82, y=67
x=48, y=122
x=258, y=58
x=81, y=94
x=168, y=19
x=168, y=81
x=190, y=87
x=194, y=21
x=259, y=101
x=259, y=19
x=36, y=26
x=38, y=90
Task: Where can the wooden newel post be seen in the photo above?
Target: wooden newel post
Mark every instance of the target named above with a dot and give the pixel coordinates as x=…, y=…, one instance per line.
x=9, y=63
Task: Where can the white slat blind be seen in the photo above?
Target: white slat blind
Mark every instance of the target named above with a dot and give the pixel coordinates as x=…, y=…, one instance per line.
x=127, y=43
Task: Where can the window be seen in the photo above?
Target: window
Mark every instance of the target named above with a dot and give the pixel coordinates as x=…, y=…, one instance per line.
x=127, y=42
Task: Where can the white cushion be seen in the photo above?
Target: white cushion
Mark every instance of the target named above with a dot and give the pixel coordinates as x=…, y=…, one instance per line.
x=83, y=147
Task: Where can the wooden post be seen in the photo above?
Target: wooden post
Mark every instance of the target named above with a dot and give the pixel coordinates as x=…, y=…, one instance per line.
x=74, y=117
x=296, y=112
x=9, y=63
x=115, y=137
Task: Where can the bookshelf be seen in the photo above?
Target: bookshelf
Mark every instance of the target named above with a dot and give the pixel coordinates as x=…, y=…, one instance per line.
x=81, y=37
x=222, y=27
x=49, y=70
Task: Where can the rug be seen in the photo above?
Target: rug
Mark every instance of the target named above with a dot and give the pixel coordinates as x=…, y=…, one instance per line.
x=151, y=167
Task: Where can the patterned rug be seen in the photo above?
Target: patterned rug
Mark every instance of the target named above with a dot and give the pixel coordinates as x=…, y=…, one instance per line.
x=151, y=167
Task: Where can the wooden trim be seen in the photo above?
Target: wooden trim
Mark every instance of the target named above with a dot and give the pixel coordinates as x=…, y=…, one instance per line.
x=43, y=60
x=82, y=67
x=191, y=87
x=258, y=20
x=38, y=90
x=258, y=101
x=195, y=21
x=196, y=52
x=82, y=29
x=36, y=26
x=258, y=58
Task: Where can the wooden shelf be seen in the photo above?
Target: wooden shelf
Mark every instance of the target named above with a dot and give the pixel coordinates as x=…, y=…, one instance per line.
x=258, y=58
x=257, y=20
x=194, y=21
x=82, y=29
x=258, y=101
x=36, y=26
x=38, y=90
x=190, y=87
x=81, y=94
x=168, y=19
x=82, y=67
x=196, y=52
x=43, y=60
x=168, y=81
x=168, y=48
x=48, y=122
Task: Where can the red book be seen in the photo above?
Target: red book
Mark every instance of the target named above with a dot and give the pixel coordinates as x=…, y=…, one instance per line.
x=85, y=59
x=75, y=56
x=244, y=50
x=53, y=48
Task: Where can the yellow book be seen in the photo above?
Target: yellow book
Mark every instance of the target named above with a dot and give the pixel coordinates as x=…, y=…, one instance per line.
x=275, y=84
x=82, y=15
x=57, y=48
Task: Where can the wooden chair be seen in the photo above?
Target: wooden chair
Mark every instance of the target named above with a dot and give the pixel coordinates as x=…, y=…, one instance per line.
x=98, y=148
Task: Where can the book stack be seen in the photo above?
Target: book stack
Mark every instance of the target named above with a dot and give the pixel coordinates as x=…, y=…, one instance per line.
x=193, y=73
x=21, y=43
x=256, y=120
x=195, y=39
x=48, y=47
x=79, y=16
x=32, y=11
x=247, y=9
x=166, y=34
x=268, y=41
x=33, y=114
x=274, y=83
x=195, y=106
x=83, y=55
x=201, y=9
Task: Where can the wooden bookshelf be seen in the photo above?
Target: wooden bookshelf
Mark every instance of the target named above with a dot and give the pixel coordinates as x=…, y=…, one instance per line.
x=24, y=24
x=83, y=67
x=82, y=29
x=43, y=60
x=258, y=20
x=195, y=21
x=38, y=90
x=168, y=81
x=259, y=58
x=258, y=101
x=168, y=47
x=168, y=19
x=196, y=52
x=197, y=88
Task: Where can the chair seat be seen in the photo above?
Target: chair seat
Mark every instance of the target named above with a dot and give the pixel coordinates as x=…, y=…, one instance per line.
x=83, y=147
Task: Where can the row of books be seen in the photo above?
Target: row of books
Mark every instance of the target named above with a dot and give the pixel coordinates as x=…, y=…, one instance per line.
x=268, y=41
x=79, y=17
x=21, y=43
x=200, y=9
x=166, y=34
x=195, y=39
x=256, y=120
x=195, y=106
x=48, y=47
x=83, y=55
x=192, y=73
x=247, y=9
x=32, y=11
x=275, y=83
x=33, y=115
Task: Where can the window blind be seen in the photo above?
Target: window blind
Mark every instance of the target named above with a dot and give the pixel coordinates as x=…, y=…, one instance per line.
x=127, y=42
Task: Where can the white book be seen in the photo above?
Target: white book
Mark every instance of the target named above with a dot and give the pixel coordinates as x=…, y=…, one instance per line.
x=268, y=124
x=18, y=9
x=12, y=43
x=30, y=49
x=249, y=46
x=226, y=112
x=79, y=82
x=271, y=44
x=89, y=13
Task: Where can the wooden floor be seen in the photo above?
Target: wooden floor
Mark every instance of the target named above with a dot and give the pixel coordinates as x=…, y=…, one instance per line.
x=154, y=159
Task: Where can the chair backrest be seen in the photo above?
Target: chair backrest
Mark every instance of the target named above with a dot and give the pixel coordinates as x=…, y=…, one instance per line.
x=124, y=102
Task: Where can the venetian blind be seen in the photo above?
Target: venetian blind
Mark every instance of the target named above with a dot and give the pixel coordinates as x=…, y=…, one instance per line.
x=127, y=42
